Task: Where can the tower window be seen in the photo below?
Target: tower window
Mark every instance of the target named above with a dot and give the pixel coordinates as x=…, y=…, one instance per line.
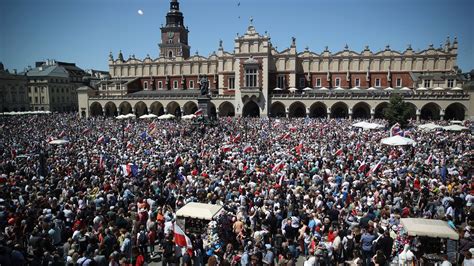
x=170, y=54
x=191, y=84
x=232, y=83
x=160, y=85
x=281, y=81
x=145, y=85
x=175, y=84
x=251, y=77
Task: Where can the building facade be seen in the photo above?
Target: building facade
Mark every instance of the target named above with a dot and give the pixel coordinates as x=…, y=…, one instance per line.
x=256, y=79
x=13, y=91
x=52, y=86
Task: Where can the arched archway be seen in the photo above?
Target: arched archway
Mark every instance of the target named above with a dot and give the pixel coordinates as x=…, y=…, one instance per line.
x=379, y=112
x=430, y=111
x=156, y=108
x=226, y=109
x=339, y=110
x=251, y=109
x=297, y=109
x=190, y=108
x=278, y=110
x=96, y=109
x=125, y=108
x=212, y=111
x=173, y=108
x=361, y=111
x=455, y=111
x=140, y=109
x=412, y=110
x=318, y=110
x=110, y=109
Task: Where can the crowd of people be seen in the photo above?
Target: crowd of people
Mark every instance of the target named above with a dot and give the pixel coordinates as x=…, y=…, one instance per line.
x=318, y=192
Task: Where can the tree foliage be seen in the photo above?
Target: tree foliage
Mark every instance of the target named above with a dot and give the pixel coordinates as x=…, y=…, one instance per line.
x=398, y=111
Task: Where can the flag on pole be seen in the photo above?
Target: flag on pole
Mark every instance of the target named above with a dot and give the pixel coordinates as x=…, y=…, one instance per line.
x=236, y=138
x=339, y=152
x=429, y=160
x=182, y=240
x=62, y=134
x=362, y=167
x=374, y=169
x=178, y=161
x=299, y=148
x=277, y=167
x=151, y=126
x=293, y=129
x=198, y=112
x=100, y=139
x=86, y=130
x=101, y=162
x=248, y=149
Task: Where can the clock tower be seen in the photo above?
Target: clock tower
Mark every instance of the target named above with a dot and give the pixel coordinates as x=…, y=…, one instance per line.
x=174, y=36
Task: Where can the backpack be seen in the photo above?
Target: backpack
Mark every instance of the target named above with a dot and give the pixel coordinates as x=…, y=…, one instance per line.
x=350, y=245
x=142, y=238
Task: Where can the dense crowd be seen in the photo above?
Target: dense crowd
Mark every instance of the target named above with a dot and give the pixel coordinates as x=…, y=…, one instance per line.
x=293, y=190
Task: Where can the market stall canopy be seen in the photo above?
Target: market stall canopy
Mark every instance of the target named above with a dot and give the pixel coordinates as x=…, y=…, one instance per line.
x=307, y=89
x=372, y=89
x=292, y=89
x=277, y=89
x=429, y=126
x=58, y=142
x=188, y=117
x=367, y=125
x=199, y=211
x=429, y=228
x=166, y=116
x=455, y=128
x=397, y=141
x=149, y=116
x=323, y=89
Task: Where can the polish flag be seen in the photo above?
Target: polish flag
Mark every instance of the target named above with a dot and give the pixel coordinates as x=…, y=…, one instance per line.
x=236, y=138
x=129, y=145
x=339, y=152
x=362, y=167
x=226, y=148
x=374, y=169
x=101, y=162
x=180, y=239
x=299, y=148
x=293, y=129
x=178, y=161
x=280, y=181
x=248, y=149
x=100, y=140
x=86, y=130
x=151, y=126
x=429, y=160
x=286, y=136
x=358, y=145
x=277, y=167
x=62, y=134
x=198, y=112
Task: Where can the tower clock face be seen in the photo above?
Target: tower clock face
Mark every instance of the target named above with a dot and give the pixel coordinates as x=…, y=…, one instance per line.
x=170, y=34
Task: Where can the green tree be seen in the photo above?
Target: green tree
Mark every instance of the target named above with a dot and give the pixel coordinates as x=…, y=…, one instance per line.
x=397, y=111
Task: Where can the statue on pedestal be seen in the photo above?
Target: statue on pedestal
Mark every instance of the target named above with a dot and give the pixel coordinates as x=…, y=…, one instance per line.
x=204, y=86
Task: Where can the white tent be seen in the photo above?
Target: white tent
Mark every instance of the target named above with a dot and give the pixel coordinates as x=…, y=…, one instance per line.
x=130, y=115
x=277, y=89
x=166, y=116
x=188, y=117
x=199, y=211
x=372, y=89
x=405, y=89
x=428, y=227
x=438, y=89
x=338, y=88
x=307, y=89
x=397, y=141
x=355, y=89
x=456, y=89
x=455, y=128
x=149, y=116
x=421, y=89
x=323, y=89
x=292, y=89
x=429, y=126
x=366, y=125
x=58, y=142
x=388, y=89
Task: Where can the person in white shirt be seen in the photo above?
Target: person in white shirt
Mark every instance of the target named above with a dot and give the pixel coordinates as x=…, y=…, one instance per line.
x=406, y=257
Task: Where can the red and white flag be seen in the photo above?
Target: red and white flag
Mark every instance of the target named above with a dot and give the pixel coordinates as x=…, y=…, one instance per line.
x=277, y=167
x=362, y=167
x=299, y=148
x=101, y=162
x=198, y=112
x=226, y=148
x=429, y=160
x=128, y=127
x=293, y=129
x=85, y=131
x=62, y=134
x=339, y=152
x=374, y=169
x=358, y=145
x=100, y=139
x=236, y=138
x=248, y=149
x=182, y=240
x=285, y=136
x=129, y=145
x=151, y=126
x=178, y=161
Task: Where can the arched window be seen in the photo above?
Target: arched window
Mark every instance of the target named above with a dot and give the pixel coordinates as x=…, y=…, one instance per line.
x=170, y=55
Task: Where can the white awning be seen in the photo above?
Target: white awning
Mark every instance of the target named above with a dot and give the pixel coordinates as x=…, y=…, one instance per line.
x=455, y=128
x=421, y=89
x=405, y=89
x=438, y=89
x=397, y=141
x=372, y=89
x=307, y=89
x=388, y=89
x=429, y=228
x=277, y=89
x=199, y=211
x=429, y=126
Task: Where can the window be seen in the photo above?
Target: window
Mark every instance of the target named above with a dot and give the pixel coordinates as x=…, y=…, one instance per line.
x=170, y=55
x=281, y=81
x=427, y=83
x=302, y=82
x=175, y=84
x=450, y=83
x=338, y=82
x=377, y=83
x=36, y=89
x=36, y=99
x=160, y=85
x=29, y=89
x=145, y=85
x=399, y=82
x=170, y=41
x=357, y=82
x=31, y=100
x=232, y=83
x=318, y=82
x=191, y=84
x=42, y=99
x=251, y=77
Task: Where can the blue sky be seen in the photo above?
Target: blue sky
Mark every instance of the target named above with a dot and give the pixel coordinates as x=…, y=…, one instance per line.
x=84, y=31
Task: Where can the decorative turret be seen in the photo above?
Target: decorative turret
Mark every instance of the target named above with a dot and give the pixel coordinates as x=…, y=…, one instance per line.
x=120, y=56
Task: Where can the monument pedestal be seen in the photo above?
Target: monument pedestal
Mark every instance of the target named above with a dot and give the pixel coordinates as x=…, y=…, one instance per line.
x=204, y=104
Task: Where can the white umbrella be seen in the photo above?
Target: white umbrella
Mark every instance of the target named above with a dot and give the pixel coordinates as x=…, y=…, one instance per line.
x=323, y=89
x=130, y=115
x=397, y=141
x=429, y=126
x=455, y=128
x=166, y=116
x=405, y=89
x=372, y=89
x=455, y=122
x=277, y=89
x=388, y=89
x=120, y=117
x=307, y=89
x=456, y=89
x=355, y=89
x=148, y=116
x=58, y=142
x=188, y=117
x=438, y=89
x=292, y=89
x=422, y=89
x=366, y=125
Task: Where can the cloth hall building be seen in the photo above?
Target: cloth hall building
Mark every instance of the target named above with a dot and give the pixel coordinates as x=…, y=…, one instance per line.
x=256, y=79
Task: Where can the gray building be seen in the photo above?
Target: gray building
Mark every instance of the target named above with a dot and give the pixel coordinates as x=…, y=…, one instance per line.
x=13, y=91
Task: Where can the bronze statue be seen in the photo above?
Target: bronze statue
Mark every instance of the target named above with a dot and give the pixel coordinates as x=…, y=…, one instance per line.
x=204, y=85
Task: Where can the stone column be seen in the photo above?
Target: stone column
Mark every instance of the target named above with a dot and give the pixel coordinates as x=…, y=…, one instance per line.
x=441, y=114
x=133, y=110
x=329, y=113
x=372, y=113
x=103, y=112
x=418, y=114
x=350, y=113
x=149, y=110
